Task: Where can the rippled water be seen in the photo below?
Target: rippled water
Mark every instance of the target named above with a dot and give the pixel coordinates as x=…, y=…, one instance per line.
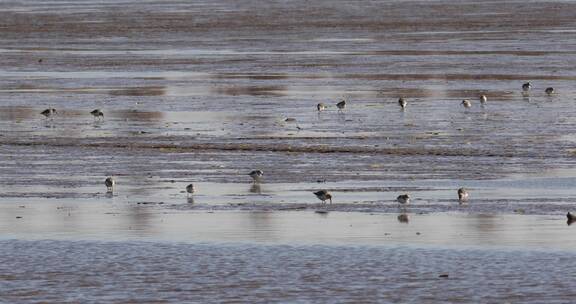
x=204, y=92
x=92, y=272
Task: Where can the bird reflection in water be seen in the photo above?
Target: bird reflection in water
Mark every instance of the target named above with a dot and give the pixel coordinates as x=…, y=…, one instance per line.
x=255, y=188
x=403, y=218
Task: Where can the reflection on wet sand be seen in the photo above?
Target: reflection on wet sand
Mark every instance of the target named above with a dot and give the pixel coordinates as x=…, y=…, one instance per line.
x=255, y=188
x=140, y=116
x=143, y=91
x=403, y=218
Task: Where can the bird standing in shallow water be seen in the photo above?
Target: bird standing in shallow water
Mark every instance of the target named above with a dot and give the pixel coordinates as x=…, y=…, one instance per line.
x=256, y=175
x=323, y=195
x=403, y=199
x=466, y=103
x=402, y=102
x=549, y=91
x=571, y=218
x=190, y=189
x=341, y=105
x=321, y=107
x=49, y=113
x=97, y=114
x=526, y=87
x=109, y=182
x=462, y=195
x=483, y=99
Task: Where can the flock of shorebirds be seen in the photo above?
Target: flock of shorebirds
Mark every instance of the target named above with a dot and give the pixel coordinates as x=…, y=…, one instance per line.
x=324, y=195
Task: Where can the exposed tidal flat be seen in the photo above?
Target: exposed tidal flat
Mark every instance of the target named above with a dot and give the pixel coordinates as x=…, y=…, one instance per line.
x=204, y=92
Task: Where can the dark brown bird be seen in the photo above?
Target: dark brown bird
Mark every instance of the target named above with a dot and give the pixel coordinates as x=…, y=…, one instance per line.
x=97, y=114
x=256, y=175
x=341, y=105
x=402, y=102
x=571, y=218
x=403, y=199
x=526, y=87
x=110, y=183
x=462, y=195
x=323, y=195
x=48, y=113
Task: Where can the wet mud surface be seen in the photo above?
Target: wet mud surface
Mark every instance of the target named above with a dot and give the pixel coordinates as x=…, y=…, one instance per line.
x=168, y=273
x=204, y=92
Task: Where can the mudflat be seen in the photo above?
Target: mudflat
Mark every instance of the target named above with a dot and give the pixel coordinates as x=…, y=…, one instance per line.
x=204, y=92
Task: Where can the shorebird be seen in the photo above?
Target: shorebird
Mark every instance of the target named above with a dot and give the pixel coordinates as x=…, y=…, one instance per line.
x=402, y=102
x=571, y=218
x=48, y=113
x=466, y=103
x=256, y=175
x=341, y=105
x=97, y=114
x=526, y=87
x=462, y=195
x=323, y=195
x=483, y=99
x=109, y=182
x=321, y=107
x=190, y=189
x=549, y=90
x=403, y=199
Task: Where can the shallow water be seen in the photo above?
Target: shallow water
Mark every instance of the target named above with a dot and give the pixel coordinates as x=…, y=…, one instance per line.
x=204, y=92
x=92, y=272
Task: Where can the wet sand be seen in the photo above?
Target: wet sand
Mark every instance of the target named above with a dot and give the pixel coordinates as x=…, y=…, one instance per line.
x=201, y=92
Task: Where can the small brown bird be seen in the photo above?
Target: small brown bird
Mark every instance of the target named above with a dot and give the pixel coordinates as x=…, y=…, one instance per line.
x=466, y=103
x=403, y=199
x=97, y=114
x=49, y=113
x=571, y=218
x=462, y=195
x=256, y=175
x=321, y=107
x=402, y=102
x=190, y=189
x=341, y=105
x=323, y=195
x=549, y=90
x=526, y=87
x=109, y=182
x=483, y=99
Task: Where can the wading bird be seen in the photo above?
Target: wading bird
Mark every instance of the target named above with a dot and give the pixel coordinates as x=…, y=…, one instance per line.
x=49, y=113
x=462, y=195
x=403, y=199
x=526, y=87
x=109, y=182
x=402, y=102
x=483, y=99
x=341, y=105
x=190, y=189
x=256, y=175
x=323, y=195
x=97, y=114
